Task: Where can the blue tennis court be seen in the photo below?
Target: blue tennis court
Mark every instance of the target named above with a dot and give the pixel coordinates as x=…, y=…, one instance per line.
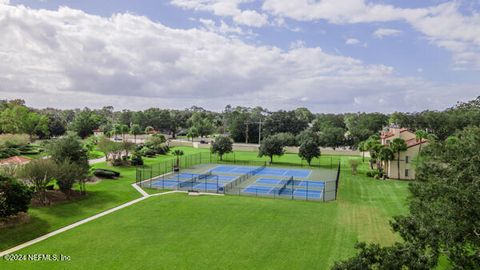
x=314, y=194
x=296, y=183
x=165, y=183
x=295, y=192
x=231, y=169
x=259, y=189
x=209, y=186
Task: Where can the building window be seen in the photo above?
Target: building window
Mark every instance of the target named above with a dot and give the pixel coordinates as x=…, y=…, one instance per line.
x=406, y=159
x=406, y=172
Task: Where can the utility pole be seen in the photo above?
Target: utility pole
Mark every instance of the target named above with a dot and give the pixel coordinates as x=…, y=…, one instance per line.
x=259, y=130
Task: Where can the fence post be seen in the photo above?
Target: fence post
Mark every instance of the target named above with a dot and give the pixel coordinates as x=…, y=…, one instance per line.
x=306, y=195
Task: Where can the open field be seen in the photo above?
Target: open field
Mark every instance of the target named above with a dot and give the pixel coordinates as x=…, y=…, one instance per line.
x=176, y=231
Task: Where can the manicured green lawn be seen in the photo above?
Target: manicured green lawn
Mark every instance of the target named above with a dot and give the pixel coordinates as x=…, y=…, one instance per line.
x=94, y=154
x=176, y=231
x=101, y=196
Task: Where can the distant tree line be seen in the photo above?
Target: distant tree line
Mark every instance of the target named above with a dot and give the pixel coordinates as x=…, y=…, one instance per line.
x=241, y=124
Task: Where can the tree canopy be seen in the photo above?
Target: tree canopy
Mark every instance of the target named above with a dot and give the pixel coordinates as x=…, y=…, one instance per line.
x=444, y=212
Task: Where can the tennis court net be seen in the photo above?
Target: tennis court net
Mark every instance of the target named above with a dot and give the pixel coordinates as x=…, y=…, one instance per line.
x=242, y=178
x=284, y=186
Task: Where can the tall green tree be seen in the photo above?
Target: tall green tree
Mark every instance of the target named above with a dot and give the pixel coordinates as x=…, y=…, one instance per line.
x=362, y=125
x=271, y=146
x=85, y=122
x=221, y=146
x=68, y=148
x=192, y=133
x=444, y=214
x=308, y=150
x=362, y=147
x=398, y=145
x=284, y=121
x=178, y=153
x=386, y=155
x=135, y=130
x=420, y=136
x=307, y=135
x=20, y=119
x=203, y=123
x=373, y=146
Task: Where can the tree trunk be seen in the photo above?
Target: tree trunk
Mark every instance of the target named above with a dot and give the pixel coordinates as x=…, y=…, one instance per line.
x=398, y=164
x=363, y=156
x=271, y=159
x=135, y=138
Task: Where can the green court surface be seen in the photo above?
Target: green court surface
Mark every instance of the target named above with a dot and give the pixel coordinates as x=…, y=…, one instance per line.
x=177, y=231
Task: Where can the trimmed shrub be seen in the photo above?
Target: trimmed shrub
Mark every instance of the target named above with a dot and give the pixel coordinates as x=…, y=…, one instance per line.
x=14, y=196
x=104, y=173
x=137, y=160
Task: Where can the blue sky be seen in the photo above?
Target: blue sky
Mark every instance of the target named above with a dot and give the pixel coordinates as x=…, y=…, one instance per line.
x=329, y=56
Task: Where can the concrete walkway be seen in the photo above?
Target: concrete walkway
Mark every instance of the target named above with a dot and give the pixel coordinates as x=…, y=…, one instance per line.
x=98, y=160
x=83, y=221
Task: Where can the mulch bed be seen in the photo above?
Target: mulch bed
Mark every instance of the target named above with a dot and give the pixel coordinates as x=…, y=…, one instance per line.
x=55, y=197
x=12, y=221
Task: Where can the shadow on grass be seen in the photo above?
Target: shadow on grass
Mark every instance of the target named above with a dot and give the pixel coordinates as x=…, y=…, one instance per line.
x=10, y=237
x=49, y=218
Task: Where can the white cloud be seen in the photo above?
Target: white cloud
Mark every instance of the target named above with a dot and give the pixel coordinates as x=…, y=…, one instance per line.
x=339, y=12
x=70, y=58
x=443, y=25
x=352, y=41
x=6, y=2
x=226, y=8
x=222, y=28
x=383, y=32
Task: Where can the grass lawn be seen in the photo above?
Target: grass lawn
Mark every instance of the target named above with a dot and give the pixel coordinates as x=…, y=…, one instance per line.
x=176, y=231
x=101, y=196
x=94, y=154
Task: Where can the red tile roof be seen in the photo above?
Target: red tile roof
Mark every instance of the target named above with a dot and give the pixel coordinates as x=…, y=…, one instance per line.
x=414, y=142
x=390, y=134
x=15, y=160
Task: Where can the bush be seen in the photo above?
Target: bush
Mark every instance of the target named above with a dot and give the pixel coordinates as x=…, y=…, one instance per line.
x=14, y=196
x=8, y=152
x=137, y=160
x=354, y=165
x=104, y=173
x=13, y=140
x=39, y=173
x=68, y=148
x=67, y=173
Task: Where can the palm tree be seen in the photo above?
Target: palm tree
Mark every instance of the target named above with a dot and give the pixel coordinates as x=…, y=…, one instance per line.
x=135, y=130
x=420, y=135
x=124, y=129
x=386, y=155
x=149, y=129
x=178, y=153
x=373, y=146
x=362, y=147
x=117, y=129
x=398, y=145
